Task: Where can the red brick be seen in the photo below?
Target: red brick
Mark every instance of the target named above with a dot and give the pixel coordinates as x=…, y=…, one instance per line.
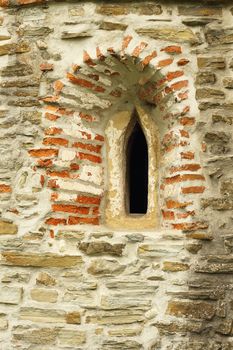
x=55, y=141
x=88, y=200
x=90, y=157
x=87, y=59
x=74, y=166
x=172, y=49
x=67, y=208
x=44, y=163
x=184, y=133
x=53, y=184
x=148, y=58
x=53, y=131
x=42, y=180
x=203, y=146
x=46, y=67
x=5, y=188
x=138, y=49
x=185, y=215
x=43, y=152
x=55, y=221
x=54, y=196
x=185, y=167
x=183, y=95
x=193, y=189
x=26, y=2
x=190, y=226
x=126, y=41
x=182, y=62
x=84, y=83
x=95, y=211
x=51, y=116
x=184, y=177
x=187, y=121
x=179, y=85
x=87, y=117
x=166, y=62
x=58, y=86
x=168, y=215
x=4, y=3
x=173, y=204
x=173, y=75
x=63, y=173
x=99, y=54
x=87, y=146
x=187, y=155
x=73, y=220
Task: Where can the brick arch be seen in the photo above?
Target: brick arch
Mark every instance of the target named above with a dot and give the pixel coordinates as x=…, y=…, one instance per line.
x=71, y=164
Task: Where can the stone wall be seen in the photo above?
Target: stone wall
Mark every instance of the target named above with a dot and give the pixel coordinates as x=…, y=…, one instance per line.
x=68, y=280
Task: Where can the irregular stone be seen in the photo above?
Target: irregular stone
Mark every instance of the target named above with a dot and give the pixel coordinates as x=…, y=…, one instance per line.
x=218, y=117
x=228, y=83
x=49, y=315
x=199, y=10
x=105, y=267
x=73, y=34
x=205, y=78
x=76, y=10
x=71, y=338
x=45, y=279
x=217, y=137
x=226, y=188
x=34, y=117
x=39, y=260
x=174, y=327
x=106, y=25
x=212, y=62
x=173, y=34
x=224, y=327
x=101, y=247
x=35, y=336
x=14, y=48
x=159, y=250
x=218, y=203
x=83, y=298
x=115, y=317
x=125, y=332
x=70, y=235
x=3, y=322
x=193, y=248
x=217, y=35
x=191, y=309
x=10, y=295
x=173, y=266
x=209, y=93
x=17, y=69
x=19, y=277
x=7, y=228
x=135, y=237
x=203, y=106
x=29, y=31
x=145, y=8
x=197, y=21
x=121, y=345
x=44, y=295
x=124, y=302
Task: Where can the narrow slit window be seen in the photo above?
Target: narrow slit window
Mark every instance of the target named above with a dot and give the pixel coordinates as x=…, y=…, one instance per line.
x=137, y=171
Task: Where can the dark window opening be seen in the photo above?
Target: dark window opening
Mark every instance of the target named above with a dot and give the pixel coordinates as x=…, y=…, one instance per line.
x=137, y=171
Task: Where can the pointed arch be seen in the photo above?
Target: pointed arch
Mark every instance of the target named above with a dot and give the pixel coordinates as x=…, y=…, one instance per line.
x=116, y=134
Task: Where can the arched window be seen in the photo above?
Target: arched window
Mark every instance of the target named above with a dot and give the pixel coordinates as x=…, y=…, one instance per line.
x=132, y=150
x=136, y=171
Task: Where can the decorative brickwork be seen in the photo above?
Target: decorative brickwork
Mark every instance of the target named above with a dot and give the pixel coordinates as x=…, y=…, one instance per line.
x=77, y=271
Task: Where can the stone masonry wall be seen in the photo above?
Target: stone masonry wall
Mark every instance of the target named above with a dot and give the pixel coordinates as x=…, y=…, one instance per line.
x=67, y=280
